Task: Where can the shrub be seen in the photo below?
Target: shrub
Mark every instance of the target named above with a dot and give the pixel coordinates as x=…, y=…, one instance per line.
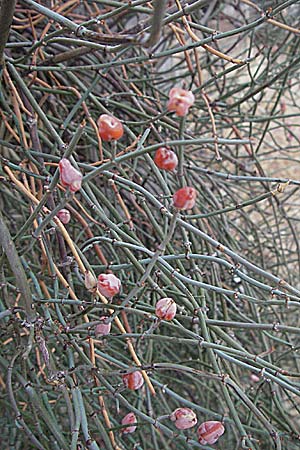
x=230, y=264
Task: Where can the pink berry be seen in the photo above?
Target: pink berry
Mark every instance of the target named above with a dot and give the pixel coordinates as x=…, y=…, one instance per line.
x=64, y=216
x=209, y=432
x=108, y=284
x=110, y=128
x=133, y=380
x=165, y=159
x=185, y=198
x=254, y=378
x=69, y=176
x=129, y=419
x=184, y=418
x=166, y=308
x=102, y=329
x=180, y=101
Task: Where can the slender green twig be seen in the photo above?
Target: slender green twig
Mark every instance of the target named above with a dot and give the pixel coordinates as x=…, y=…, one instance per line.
x=17, y=269
x=231, y=351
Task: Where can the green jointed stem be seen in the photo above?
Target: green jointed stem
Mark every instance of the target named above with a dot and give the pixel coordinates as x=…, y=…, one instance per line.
x=16, y=267
x=230, y=353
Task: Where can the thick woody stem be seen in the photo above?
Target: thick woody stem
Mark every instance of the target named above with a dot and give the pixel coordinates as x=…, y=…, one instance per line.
x=7, y=8
x=157, y=19
x=16, y=266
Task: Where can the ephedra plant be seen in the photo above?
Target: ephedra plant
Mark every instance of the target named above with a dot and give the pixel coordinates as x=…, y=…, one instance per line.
x=149, y=230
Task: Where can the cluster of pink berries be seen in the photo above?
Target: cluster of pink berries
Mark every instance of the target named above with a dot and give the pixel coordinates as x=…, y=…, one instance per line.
x=110, y=128
x=183, y=418
x=180, y=101
x=208, y=432
x=109, y=285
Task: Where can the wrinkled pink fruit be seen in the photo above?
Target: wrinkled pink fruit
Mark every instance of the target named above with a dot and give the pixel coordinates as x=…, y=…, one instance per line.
x=209, y=432
x=184, y=418
x=108, y=284
x=165, y=159
x=64, y=216
x=102, y=329
x=69, y=176
x=133, y=380
x=185, y=198
x=128, y=420
x=166, y=309
x=110, y=128
x=180, y=101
